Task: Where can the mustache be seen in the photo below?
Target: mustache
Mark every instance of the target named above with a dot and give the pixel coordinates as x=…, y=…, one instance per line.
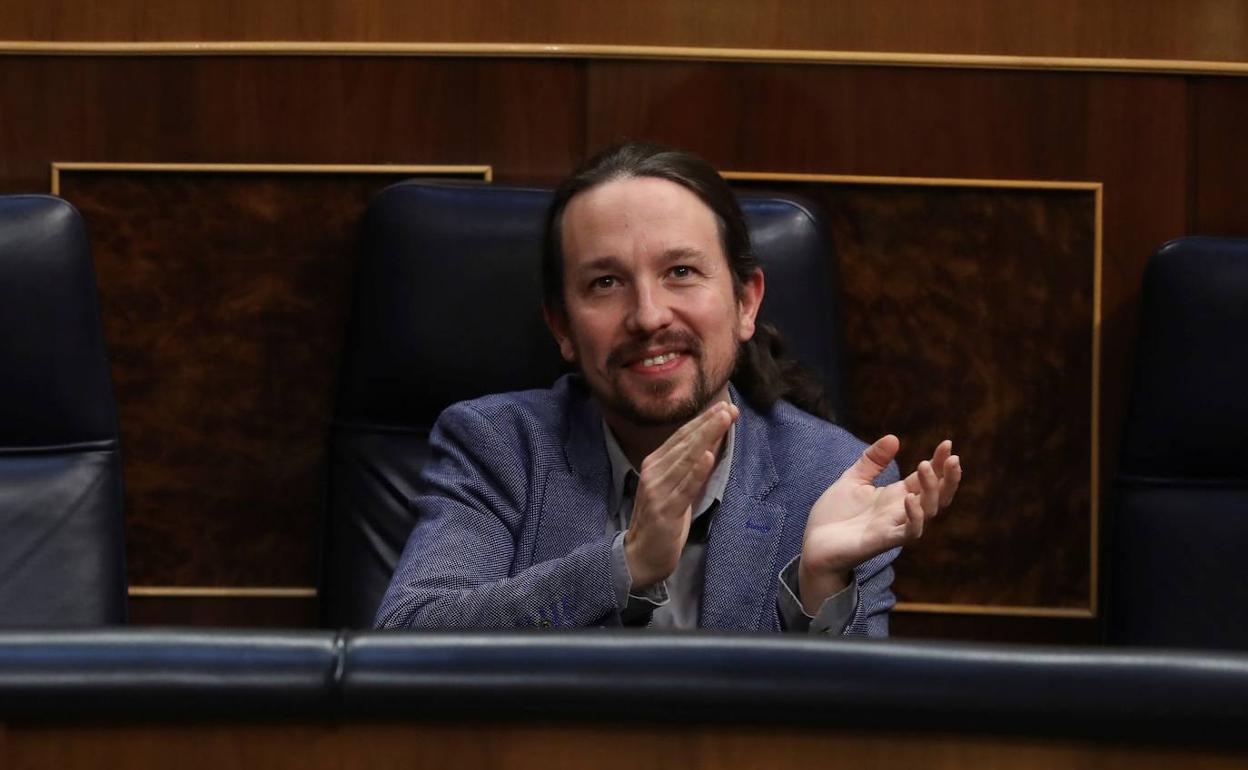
x=634, y=349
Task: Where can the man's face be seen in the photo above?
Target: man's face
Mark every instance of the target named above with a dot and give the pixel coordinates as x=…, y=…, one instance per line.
x=651, y=317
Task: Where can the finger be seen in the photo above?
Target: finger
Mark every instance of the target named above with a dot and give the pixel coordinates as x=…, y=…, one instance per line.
x=705, y=437
x=673, y=496
x=680, y=440
x=951, y=479
x=911, y=482
x=875, y=459
x=691, y=484
x=700, y=419
x=665, y=472
x=929, y=497
x=914, y=517
x=943, y=450
x=708, y=417
x=914, y=482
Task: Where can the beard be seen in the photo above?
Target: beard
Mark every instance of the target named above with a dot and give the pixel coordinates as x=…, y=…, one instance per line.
x=656, y=410
x=653, y=408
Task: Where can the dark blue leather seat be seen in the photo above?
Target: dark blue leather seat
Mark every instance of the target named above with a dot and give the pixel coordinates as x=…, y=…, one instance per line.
x=1180, y=540
x=61, y=547
x=448, y=307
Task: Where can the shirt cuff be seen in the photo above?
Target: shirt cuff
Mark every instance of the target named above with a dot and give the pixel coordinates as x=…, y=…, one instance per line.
x=833, y=615
x=633, y=605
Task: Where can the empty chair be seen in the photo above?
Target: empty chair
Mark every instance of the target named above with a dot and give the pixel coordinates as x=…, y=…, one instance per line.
x=1179, y=562
x=61, y=541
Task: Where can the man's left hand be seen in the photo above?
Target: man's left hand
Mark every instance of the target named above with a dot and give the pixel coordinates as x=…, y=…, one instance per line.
x=854, y=520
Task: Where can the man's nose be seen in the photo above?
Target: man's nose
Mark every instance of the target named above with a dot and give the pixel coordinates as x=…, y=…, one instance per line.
x=650, y=311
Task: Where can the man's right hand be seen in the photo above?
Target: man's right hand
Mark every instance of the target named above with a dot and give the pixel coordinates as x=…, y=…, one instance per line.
x=672, y=478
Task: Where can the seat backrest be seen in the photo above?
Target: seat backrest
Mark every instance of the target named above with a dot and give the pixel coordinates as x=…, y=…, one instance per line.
x=1180, y=537
x=61, y=541
x=447, y=308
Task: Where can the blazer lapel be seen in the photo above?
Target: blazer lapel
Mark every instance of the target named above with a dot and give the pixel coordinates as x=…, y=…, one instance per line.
x=574, y=503
x=741, y=550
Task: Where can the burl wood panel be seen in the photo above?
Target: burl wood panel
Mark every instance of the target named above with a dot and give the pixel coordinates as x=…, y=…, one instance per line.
x=224, y=298
x=968, y=315
x=1175, y=29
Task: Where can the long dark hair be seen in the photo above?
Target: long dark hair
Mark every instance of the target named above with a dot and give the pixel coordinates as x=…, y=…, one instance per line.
x=763, y=373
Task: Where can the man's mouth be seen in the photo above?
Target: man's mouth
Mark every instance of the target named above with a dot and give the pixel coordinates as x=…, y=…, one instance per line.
x=661, y=352
x=658, y=364
x=657, y=360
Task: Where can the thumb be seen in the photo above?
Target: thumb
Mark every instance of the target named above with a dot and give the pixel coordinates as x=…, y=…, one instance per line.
x=874, y=459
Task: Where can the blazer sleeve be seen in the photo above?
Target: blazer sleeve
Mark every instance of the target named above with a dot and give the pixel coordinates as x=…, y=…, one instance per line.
x=875, y=582
x=472, y=504
x=872, y=585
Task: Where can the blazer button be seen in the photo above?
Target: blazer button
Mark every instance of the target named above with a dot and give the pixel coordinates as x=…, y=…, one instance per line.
x=543, y=623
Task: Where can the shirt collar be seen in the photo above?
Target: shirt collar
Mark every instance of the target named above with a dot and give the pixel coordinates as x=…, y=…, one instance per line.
x=715, y=485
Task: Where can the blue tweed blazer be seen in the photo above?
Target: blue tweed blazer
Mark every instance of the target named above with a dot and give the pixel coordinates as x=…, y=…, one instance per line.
x=514, y=529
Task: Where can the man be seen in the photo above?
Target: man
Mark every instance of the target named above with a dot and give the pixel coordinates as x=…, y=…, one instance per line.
x=669, y=483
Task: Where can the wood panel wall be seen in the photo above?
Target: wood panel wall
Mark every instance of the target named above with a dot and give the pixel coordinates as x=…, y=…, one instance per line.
x=1167, y=148
x=1215, y=30
x=536, y=745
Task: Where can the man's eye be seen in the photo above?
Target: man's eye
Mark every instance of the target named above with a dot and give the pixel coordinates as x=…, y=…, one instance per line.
x=682, y=271
x=603, y=282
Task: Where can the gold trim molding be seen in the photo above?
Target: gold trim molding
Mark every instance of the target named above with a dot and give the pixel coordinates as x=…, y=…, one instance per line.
x=486, y=173
x=222, y=592
x=998, y=610
x=663, y=53
x=1097, y=189
x=913, y=181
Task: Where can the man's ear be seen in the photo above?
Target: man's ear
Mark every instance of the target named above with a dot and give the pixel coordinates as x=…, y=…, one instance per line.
x=557, y=322
x=748, y=303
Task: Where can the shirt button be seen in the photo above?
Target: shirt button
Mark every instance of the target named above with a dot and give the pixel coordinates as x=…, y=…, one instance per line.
x=543, y=623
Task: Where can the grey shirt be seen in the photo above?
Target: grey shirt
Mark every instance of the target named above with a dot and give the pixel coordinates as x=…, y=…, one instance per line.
x=675, y=602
